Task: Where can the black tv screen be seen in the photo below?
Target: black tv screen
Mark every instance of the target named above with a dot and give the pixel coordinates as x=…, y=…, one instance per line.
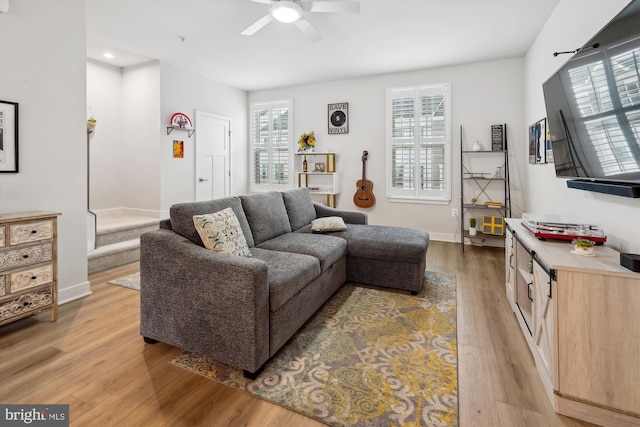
x=593, y=105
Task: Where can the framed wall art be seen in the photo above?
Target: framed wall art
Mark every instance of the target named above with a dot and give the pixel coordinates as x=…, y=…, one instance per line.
x=537, y=142
x=8, y=137
x=338, y=117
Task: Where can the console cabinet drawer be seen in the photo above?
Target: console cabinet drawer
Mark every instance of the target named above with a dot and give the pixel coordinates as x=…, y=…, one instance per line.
x=26, y=255
x=30, y=232
x=2, y=284
x=26, y=303
x=2, y=228
x=25, y=279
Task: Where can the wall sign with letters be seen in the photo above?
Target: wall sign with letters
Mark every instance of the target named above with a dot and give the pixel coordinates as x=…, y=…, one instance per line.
x=338, y=115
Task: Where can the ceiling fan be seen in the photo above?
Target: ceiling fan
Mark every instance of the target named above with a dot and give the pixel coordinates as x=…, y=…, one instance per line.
x=291, y=11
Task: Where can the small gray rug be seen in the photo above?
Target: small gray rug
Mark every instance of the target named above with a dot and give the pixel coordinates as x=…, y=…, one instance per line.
x=132, y=281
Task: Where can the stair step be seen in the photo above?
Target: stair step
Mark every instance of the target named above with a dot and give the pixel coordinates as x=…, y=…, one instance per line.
x=114, y=255
x=110, y=232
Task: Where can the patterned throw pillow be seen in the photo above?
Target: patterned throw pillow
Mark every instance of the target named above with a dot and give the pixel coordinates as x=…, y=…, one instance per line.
x=221, y=232
x=328, y=223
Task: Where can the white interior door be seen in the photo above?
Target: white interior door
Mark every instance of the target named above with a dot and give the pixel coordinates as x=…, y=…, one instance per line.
x=213, y=148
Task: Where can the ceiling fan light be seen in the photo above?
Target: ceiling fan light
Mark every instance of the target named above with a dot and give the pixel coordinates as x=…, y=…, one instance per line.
x=286, y=11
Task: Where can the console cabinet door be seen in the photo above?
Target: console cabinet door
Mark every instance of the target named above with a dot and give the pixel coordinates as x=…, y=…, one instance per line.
x=510, y=265
x=543, y=318
x=598, y=326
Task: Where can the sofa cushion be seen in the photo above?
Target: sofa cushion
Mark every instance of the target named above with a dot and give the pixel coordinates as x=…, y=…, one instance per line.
x=181, y=215
x=329, y=223
x=288, y=274
x=299, y=207
x=221, y=232
x=266, y=215
x=327, y=249
x=385, y=242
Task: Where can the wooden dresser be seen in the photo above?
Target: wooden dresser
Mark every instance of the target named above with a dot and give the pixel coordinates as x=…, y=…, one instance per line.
x=28, y=265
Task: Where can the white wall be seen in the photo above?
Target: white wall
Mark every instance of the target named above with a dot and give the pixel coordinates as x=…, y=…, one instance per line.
x=104, y=101
x=186, y=92
x=571, y=25
x=42, y=67
x=483, y=94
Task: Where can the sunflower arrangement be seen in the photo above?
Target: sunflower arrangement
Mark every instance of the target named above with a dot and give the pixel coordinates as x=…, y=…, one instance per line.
x=306, y=141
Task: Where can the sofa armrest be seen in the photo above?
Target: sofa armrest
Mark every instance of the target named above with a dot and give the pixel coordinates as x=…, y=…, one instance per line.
x=350, y=217
x=213, y=304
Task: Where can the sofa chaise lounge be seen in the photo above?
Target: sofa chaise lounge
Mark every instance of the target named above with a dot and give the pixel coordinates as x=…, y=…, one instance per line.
x=240, y=310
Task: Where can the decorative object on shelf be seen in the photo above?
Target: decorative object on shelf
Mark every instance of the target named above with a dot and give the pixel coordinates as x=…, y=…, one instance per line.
x=476, y=146
x=472, y=226
x=304, y=164
x=180, y=121
x=178, y=149
x=497, y=137
x=338, y=118
x=8, y=137
x=493, y=225
x=537, y=145
x=364, y=197
x=318, y=167
x=583, y=247
x=307, y=142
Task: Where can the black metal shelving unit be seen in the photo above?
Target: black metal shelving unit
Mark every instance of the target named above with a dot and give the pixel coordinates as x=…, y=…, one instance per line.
x=482, y=182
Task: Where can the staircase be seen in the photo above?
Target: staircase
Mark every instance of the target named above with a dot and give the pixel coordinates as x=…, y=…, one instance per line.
x=118, y=241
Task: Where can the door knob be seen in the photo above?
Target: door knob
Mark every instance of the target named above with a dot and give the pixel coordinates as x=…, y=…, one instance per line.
x=202, y=179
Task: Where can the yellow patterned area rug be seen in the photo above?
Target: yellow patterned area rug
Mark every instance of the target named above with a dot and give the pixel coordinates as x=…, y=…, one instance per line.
x=369, y=357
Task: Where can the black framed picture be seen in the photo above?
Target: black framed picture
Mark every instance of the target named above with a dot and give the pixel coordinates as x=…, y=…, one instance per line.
x=8, y=137
x=537, y=144
x=338, y=118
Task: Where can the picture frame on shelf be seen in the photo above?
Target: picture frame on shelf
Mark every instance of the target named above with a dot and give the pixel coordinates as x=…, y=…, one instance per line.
x=497, y=137
x=8, y=137
x=319, y=167
x=338, y=118
x=537, y=144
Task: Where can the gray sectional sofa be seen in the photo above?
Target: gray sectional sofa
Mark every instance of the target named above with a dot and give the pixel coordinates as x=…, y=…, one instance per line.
x=241, y=310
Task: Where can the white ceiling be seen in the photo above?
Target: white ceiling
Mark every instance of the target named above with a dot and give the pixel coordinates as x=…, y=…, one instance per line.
x=387, y=36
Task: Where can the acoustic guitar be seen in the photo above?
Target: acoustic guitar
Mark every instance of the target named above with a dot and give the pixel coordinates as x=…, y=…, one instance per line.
x=364, y=197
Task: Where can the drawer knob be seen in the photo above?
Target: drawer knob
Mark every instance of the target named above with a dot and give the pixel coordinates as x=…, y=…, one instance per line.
x=34, y=231
x=34, y=277
x=25, y=256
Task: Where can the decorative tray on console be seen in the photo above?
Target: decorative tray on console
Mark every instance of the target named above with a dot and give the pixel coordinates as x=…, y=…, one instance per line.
x=545, y=226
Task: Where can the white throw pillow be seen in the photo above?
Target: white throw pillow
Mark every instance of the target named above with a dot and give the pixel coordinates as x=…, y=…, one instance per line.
x=221, y=232
x=329, y=223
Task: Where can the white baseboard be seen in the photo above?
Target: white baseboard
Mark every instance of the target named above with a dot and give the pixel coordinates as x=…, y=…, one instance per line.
x=443, y=237
x=72, y=293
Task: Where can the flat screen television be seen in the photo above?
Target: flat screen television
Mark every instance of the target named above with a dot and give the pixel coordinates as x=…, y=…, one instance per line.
x=593, y=110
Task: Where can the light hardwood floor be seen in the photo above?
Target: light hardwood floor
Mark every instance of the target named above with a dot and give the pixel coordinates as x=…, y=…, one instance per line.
x=94, y=359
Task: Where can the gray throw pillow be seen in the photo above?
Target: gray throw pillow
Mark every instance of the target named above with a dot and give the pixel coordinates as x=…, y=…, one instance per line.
x=299, y=207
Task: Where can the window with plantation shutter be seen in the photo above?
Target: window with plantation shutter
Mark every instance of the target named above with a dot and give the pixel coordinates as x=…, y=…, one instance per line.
x=270, y=146
x=418, y=144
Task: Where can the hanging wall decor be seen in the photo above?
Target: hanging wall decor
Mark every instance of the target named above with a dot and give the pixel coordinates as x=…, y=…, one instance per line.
x=537, y=144
x=338, y=116
x=8, y=137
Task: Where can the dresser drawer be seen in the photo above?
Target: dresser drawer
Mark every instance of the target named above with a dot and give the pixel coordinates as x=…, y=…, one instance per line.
x=3, y=279
x=30, y=278
x=27, y=255
x=26, y=303
x=30, y=232
x=2, y=228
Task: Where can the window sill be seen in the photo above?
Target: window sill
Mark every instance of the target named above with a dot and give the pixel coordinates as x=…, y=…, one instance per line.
x=412, y=200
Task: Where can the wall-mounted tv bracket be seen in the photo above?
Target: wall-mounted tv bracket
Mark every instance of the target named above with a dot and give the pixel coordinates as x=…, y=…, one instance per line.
x=593, y=46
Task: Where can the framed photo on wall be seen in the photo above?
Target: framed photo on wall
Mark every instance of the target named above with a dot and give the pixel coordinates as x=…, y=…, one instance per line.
x=537, y=142
x=8, y=137
x=338, y=118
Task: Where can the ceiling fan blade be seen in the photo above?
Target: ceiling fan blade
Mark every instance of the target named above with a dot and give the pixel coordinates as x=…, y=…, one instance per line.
x=252, y=29
x=334, y=6
x=262, y=1
x=306, y=27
